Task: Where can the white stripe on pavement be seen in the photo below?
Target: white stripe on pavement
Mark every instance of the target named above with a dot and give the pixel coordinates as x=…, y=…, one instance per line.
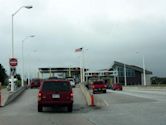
x=106, y=103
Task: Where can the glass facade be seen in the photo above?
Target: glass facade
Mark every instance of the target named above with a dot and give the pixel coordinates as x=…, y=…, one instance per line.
x=129, y=72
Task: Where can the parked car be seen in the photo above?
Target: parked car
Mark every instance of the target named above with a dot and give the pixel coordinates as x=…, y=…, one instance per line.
x=35, y=83
x=55, y=93
x=117, y=86
x=99, y=86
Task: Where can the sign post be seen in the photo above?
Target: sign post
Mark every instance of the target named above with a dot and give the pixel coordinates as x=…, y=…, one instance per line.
x=0, y=96
x=13, y=63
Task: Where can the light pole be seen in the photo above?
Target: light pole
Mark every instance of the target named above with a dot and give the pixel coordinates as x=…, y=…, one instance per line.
x=12, y=75
x=144, y=73
x=144, y=70
x=27, y=7
x=125, y=75
x=22, y=80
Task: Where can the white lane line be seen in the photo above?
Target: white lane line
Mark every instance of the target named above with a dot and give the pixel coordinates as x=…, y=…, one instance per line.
x=106, y=103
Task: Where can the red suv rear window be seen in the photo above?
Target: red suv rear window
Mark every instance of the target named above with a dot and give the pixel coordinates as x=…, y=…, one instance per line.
x=56, y=86
x=98, y=82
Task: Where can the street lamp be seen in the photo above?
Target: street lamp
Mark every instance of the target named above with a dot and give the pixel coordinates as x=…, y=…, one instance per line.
x=144, y=72
x=27, y=7
x=12, y=75
x=22, y=80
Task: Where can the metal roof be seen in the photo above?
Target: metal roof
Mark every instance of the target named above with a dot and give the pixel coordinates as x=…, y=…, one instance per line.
x=136, y=68
x=59, y=69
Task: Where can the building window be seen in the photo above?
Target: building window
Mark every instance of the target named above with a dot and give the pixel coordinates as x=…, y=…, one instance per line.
x=130, y=72
x=121, y=74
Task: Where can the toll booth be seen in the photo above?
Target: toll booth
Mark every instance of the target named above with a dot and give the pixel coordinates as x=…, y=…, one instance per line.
x=64, y=72
x=108, y=76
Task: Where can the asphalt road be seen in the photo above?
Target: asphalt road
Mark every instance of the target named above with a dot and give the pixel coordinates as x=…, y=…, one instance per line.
x=120, y=108
x=23, y=111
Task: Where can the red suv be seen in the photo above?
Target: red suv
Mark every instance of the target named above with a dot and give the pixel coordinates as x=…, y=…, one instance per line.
x=55, y=93
x=99, y=86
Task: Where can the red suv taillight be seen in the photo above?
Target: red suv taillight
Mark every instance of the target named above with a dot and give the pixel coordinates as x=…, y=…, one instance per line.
x=39, y=96
x=71, y=95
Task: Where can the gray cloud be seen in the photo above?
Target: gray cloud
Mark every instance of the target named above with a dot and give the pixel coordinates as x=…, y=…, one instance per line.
x=110, y=30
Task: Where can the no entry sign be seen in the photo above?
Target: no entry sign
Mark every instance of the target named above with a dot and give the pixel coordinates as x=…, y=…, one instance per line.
x=13, y=62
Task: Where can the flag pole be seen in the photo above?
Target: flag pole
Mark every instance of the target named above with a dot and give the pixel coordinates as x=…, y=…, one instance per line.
x=80, y=70
x=81, y=63
x=83, y=66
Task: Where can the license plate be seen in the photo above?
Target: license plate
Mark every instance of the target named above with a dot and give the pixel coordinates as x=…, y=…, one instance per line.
x=55, y=96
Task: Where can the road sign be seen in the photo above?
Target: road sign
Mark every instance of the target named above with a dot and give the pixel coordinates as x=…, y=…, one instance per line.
x=13, y=62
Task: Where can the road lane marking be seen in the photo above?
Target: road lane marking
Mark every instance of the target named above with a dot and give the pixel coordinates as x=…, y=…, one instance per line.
x=106, y=103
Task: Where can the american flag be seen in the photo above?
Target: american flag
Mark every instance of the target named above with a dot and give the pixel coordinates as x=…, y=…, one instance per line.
x=78, y=49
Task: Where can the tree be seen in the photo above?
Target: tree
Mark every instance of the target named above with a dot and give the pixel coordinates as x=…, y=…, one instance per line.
x=18, y=77
x=3, y=75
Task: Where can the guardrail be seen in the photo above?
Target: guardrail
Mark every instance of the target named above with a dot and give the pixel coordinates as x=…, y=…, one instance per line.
x=13, y=95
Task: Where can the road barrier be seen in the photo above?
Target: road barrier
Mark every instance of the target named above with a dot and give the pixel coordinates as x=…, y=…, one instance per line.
x=13, y=95
x=88, y=96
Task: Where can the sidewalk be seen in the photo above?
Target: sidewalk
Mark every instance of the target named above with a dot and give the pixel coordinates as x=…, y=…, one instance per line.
x=4, y=96
x=144, y=88
x=150, y=94
x=147, y=89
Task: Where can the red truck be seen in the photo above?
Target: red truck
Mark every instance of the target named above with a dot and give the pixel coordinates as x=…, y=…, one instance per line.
x=99, y=86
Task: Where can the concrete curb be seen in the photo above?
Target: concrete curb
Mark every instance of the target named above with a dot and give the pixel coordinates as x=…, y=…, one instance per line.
x=91, y=99
x=86, y=93
x=13, y=95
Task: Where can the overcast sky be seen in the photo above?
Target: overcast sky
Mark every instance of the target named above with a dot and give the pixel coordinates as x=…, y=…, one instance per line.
x=108, y=29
